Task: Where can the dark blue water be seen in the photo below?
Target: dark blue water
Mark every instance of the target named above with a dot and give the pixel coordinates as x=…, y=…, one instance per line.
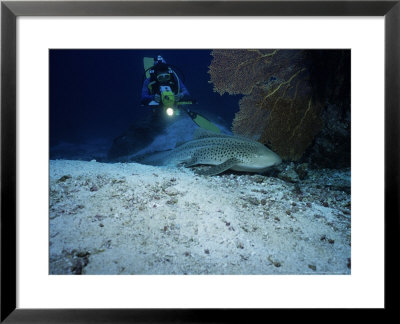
x=95, y=94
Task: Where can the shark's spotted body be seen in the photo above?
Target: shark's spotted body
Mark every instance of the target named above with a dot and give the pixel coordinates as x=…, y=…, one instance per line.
x=221, y=151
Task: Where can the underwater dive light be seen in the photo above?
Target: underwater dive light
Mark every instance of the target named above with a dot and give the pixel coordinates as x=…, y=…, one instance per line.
x=169, y=111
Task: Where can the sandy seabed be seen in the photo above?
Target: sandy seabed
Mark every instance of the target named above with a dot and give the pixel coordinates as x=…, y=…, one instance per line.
x=128, y=218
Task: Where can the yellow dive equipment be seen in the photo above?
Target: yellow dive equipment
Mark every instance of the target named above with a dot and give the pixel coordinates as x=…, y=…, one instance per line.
x=168, y=101
x=167, y=96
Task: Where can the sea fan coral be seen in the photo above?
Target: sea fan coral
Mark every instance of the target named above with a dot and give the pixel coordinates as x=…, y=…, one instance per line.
x=278, y=108
x=243, y=68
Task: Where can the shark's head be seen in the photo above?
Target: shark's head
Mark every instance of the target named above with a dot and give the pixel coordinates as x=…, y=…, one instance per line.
x=258, y=159
x=265, y=158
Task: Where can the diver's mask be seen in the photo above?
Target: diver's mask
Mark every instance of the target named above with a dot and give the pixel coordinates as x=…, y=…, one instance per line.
x=163, y=77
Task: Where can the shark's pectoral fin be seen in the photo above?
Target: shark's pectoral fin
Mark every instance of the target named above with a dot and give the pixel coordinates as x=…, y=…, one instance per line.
x=219, y=168
x=190, y=162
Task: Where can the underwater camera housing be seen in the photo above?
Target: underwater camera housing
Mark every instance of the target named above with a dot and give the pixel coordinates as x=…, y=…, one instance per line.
x=168, y=101
x=167, y=96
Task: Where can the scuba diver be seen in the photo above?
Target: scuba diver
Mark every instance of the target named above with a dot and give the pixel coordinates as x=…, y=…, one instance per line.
x=164, y=92
x=160, y=78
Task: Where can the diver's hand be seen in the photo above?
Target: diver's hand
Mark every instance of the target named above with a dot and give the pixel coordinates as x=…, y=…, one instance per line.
x=157, y=98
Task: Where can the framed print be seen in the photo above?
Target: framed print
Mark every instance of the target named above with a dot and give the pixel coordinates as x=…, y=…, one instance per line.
x=181, y=166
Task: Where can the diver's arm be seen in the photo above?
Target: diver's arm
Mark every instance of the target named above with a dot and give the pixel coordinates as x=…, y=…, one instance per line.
x=146, y=95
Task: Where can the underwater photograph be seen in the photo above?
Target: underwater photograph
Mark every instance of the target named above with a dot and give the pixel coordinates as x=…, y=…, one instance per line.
x=196, y=161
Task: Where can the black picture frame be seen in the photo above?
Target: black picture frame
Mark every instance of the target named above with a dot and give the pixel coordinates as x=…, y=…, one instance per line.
x=10, y=10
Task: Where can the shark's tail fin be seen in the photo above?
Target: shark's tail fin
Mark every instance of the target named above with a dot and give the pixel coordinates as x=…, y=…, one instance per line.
x=153, y=158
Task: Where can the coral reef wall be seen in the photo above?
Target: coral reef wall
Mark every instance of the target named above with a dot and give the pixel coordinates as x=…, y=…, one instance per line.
x=283, y=94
